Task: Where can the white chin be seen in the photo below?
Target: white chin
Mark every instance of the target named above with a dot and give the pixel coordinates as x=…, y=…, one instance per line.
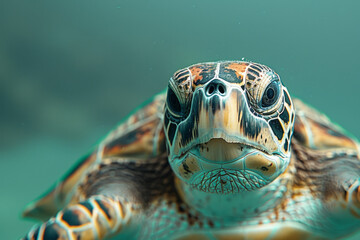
x=227, y=181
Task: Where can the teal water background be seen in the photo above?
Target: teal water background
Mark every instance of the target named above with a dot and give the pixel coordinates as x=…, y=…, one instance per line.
x=70, y=70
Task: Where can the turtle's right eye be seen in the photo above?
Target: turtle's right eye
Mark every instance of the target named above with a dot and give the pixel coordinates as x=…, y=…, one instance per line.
x=173, y=103
x=271, y=94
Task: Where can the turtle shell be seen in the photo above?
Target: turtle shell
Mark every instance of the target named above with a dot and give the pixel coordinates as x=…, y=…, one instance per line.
x=139, y=136
x=316, y=131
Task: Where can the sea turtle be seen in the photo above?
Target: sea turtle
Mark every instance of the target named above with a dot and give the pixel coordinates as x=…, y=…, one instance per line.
x=223, y=153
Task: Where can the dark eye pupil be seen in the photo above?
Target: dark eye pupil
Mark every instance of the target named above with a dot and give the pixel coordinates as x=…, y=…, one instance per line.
x=173, y=102
x=271, y=94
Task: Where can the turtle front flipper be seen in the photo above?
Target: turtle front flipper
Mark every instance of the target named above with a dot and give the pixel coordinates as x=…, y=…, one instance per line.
x=112, y=199
x=98, y=217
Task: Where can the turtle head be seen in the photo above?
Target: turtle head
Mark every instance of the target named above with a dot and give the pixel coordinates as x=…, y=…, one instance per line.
x=228, y=126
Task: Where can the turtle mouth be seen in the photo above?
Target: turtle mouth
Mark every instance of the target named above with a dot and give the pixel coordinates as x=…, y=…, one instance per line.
x=217, y=150
x=224, y=149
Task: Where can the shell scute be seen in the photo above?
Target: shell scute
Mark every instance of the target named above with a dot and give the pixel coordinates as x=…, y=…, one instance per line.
x=315, y=130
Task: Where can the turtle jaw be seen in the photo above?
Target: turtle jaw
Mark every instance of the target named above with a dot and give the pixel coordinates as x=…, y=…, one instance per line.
x=218, y=141
x=227, y=166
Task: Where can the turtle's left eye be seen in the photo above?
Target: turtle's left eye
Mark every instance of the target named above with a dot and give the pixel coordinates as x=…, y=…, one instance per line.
x=271, y=94
x=173, y=103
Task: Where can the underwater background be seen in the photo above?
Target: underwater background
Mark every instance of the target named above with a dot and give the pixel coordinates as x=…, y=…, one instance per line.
x=70, y=70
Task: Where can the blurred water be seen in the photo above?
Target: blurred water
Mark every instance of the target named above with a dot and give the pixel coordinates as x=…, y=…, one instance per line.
x=70, y=70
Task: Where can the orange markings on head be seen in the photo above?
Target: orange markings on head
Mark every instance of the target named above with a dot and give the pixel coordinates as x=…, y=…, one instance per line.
x=195, y=72
x=239, y=68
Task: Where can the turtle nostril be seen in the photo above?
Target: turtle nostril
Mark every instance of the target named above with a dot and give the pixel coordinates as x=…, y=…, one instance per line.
x=210, y=89
x=215, y=87
x=221, y=89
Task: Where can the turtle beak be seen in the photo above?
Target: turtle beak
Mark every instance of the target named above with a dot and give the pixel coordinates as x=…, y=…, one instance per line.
x=217, y=150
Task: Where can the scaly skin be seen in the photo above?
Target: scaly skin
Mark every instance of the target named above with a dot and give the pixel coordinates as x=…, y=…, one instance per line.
x=98, y=217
